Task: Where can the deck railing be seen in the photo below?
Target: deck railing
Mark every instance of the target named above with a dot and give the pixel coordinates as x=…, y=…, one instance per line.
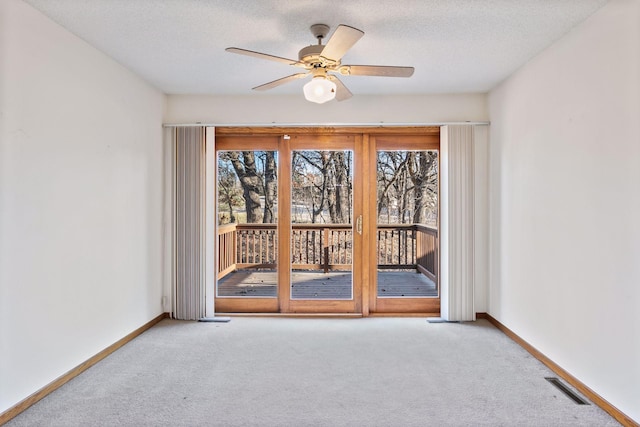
x=327, y=247
x=397, y=246
x=427, y=261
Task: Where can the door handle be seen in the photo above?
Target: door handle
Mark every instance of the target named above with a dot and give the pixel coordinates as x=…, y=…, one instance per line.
x=359, y=224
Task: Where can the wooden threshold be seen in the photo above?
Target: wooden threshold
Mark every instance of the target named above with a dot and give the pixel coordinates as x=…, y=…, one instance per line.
x=328, y=315
x=579, y=385
x=434, y=314
x=65, y=378
x=295, y=315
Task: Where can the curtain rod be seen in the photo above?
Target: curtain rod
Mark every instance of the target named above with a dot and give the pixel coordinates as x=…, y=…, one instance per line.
x=369, y=125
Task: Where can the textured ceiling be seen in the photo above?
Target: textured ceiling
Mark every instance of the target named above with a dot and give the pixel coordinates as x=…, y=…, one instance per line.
x=455, y=45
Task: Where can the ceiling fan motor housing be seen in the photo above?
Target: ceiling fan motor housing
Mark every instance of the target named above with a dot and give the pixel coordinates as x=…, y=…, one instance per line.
x=311, y=55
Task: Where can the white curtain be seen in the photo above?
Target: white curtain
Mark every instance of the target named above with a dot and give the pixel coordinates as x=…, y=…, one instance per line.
x=188, y=220
x=462, y=238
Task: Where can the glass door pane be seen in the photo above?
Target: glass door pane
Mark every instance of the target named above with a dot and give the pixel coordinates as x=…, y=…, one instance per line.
x=321, y=225
x=407, y=217
x=247, y=209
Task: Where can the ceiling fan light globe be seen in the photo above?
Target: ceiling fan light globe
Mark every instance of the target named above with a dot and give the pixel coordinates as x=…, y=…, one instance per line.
x=319, y=90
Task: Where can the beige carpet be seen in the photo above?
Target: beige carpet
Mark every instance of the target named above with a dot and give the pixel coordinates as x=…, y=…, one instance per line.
x=315, y=372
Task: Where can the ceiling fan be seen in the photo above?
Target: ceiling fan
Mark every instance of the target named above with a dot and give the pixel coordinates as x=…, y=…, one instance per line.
x=320, y=61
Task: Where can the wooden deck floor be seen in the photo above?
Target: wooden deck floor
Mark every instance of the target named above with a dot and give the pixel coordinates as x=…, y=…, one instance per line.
x=317, y=285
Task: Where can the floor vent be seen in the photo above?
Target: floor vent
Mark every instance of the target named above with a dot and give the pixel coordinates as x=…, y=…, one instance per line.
x=566, y=390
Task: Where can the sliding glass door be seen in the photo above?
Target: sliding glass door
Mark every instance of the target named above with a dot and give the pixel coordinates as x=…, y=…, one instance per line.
x=406, y=235
x=247, y=218
x=323, y=187
x=336, y=222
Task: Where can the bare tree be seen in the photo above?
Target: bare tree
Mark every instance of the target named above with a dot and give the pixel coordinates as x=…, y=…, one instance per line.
x=340, y=175
x=228, y=191
x=270, y=187
x=325, y=177
x=407, y=185
x=419, y=166
x=256, y=174
x=251, y=182
x=310, y=168
x=392, y=188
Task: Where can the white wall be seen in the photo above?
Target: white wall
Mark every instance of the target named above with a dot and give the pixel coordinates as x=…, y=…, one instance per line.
x=267, y=109
x=80, y=201
x=565, y=203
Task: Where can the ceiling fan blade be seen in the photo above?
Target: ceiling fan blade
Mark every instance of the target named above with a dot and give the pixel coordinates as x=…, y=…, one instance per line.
x=341, y=41
x=375, y=70
x=264, y=56
x=342, y=92
x=281, y=81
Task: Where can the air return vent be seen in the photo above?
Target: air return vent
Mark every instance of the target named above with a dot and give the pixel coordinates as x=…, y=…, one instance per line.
x=566, y=390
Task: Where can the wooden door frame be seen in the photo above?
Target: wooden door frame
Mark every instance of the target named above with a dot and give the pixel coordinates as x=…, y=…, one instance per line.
x=396, y=306
x=333, y=142
x=367, y=141
x=243, y=304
